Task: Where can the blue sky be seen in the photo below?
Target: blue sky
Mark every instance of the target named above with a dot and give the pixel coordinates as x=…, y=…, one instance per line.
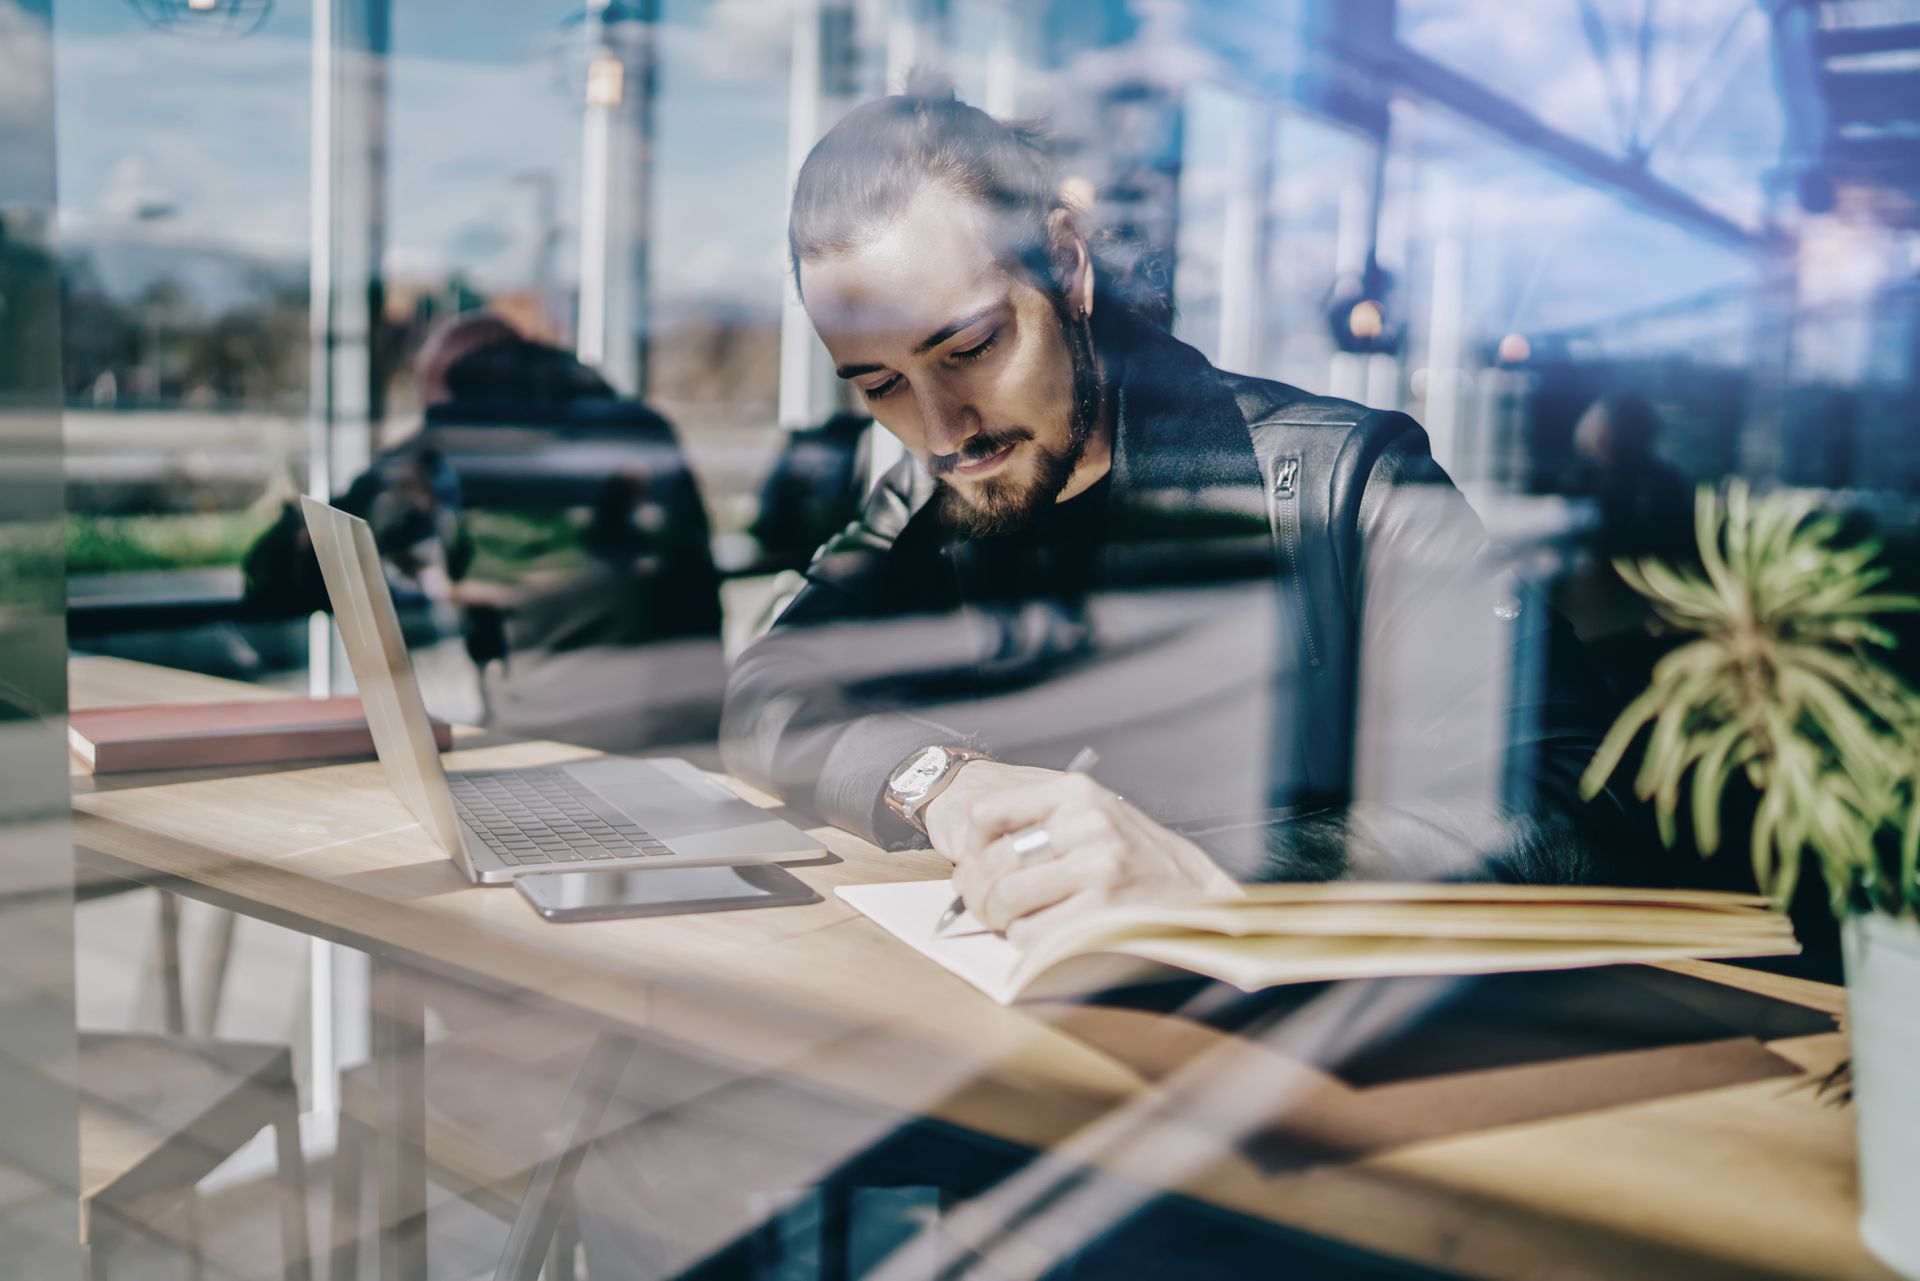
x=217, y=133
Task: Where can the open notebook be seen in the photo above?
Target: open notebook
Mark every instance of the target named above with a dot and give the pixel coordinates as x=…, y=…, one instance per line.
x=1311, y=933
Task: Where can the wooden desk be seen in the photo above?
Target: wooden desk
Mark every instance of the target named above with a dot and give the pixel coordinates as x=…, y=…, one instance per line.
x=1745, y=1180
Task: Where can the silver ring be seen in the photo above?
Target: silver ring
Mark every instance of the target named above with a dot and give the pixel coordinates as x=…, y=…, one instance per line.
x=1030, y=843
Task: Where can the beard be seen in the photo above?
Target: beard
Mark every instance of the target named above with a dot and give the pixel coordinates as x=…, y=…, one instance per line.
x=1000, y=505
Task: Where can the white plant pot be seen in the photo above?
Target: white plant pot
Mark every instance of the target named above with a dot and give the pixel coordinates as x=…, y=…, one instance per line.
x=1883, y=1016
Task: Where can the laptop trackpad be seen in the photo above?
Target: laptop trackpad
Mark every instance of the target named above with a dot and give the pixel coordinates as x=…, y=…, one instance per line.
x=668, y=798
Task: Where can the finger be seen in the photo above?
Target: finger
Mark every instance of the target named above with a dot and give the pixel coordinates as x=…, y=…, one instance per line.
x=1067, y=830
x=982, y=822
x=974, y=878
x=995, y=815
x=1002, y=856
x=1025, y=890
x=949, y=816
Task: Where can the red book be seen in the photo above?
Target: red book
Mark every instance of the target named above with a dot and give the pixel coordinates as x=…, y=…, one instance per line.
x=111, y=740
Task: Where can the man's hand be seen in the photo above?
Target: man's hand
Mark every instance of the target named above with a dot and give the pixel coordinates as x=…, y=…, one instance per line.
x=1101, y=849
x=949, y=816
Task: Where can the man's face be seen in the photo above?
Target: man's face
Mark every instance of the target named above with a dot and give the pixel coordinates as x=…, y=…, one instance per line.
x=972, y=366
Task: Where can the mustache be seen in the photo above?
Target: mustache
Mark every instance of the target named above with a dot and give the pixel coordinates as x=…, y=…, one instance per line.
x=977, y=446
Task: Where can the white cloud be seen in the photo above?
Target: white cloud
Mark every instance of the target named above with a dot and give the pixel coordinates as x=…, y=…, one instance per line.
x=218, y=134
x=217, y=129
x=738, y=41
x=469, y=144
x=130, y=192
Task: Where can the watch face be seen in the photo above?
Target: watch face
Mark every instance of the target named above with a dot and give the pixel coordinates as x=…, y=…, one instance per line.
x=920, y=773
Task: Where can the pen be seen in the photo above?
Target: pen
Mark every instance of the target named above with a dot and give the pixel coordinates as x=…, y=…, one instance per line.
x=1035, y=839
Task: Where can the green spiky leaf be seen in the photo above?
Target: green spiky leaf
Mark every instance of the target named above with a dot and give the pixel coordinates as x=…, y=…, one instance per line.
x=1778, y=685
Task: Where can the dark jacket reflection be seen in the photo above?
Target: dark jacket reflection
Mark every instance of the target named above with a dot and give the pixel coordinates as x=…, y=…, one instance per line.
x=1218, y=480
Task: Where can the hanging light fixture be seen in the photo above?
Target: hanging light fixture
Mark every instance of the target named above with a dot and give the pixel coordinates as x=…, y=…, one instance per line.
x=606, y=80
x=206, y=19
x=599, y=78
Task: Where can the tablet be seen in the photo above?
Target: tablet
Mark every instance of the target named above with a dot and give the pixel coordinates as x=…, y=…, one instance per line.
x=660, y=891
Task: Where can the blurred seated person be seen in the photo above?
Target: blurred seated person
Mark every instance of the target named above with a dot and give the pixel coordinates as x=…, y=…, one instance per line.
x=493, y=379
x=410, y=495
x=814, y=491
x=572, y=534
x=447, y=343
x=1644, y=507
x=1061, y=444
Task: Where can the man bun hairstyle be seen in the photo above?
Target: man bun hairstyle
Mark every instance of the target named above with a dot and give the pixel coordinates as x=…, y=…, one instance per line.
x=929, y=84
x=867, y=168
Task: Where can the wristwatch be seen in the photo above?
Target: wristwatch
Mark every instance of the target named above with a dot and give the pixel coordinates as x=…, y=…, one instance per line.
x=922, y=776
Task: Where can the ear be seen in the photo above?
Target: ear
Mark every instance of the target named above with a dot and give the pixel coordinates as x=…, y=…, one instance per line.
x=1071, y=259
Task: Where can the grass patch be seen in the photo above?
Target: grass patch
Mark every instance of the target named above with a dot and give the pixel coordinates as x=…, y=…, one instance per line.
x=121, y=544
x=508, y=543
x=29, y=567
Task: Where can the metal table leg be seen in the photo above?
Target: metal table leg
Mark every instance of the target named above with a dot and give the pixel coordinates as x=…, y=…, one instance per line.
x=399, y=1055
x=550, y=1191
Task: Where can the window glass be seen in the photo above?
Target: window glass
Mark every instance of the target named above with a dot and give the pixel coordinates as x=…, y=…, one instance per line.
x=184, y=235
x=1321, y=175
x=1628, y=79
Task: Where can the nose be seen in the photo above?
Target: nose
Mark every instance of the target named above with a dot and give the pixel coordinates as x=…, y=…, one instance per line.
x=946, y=420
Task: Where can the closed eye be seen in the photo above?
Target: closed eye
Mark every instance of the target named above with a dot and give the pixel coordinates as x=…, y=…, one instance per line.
x=974, y=352
x=978, y=350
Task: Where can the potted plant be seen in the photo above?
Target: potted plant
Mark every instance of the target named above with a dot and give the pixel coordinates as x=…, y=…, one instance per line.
x=1780, y=682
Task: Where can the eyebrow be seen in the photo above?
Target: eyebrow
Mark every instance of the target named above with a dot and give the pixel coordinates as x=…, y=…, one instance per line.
x=928, y=343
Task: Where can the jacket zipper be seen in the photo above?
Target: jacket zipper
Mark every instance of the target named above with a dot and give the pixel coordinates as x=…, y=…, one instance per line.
x=1284, y=485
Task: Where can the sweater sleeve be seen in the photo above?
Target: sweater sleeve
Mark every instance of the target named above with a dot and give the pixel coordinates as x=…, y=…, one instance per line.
x=803, y=718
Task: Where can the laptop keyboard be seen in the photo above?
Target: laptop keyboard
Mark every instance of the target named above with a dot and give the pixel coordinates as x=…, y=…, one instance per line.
x=538, y=817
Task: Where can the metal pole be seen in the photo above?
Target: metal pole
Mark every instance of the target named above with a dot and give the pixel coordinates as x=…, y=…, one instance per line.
x=346, y=241
x=320, y=256
x=807, y=391
x=616, y=141
x=604, y=75
x=916, y=35
x=1010, y=43
x=1243, y=250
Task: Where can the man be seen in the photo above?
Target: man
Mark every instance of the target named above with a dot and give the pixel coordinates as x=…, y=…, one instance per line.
x=1645, y=504
x=1056, y=434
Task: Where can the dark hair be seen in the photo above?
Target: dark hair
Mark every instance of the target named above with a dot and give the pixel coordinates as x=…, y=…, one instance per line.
x=522, y=370
x=867, y=167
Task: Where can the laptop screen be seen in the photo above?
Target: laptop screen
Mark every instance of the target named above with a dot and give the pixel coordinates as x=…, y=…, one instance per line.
x=370, y=630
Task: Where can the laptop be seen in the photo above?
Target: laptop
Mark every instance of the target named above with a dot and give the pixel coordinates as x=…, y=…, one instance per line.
x=611, y=812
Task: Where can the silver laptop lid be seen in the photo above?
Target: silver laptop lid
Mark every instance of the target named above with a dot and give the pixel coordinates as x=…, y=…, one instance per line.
x=370, y=630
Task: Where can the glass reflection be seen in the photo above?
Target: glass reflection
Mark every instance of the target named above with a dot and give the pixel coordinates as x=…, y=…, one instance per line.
x=1258, y=425
x=39, y=1114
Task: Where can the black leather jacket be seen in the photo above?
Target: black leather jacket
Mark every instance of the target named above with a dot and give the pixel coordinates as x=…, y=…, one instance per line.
x=1217, y=479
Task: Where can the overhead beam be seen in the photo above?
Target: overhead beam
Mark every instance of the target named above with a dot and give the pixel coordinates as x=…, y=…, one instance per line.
x=1887, y=150
x=1872, y=97
x=1839, y=42
x=1356, y=38
x=1421, y=77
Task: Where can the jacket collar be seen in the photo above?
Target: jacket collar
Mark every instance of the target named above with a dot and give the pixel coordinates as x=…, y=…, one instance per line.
x=1181, y=450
